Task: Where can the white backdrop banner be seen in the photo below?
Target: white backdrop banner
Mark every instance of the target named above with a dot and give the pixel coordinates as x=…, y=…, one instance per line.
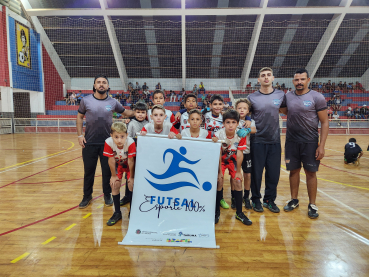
x=174, y=193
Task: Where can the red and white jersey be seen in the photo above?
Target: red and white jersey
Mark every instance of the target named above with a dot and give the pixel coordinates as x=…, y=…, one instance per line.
x=203, y=134
x=212, y=123
x=167, y=128
x=230, y=146
x=169, y=118
x=240, y=126
x=121, y=155
x=184, y=121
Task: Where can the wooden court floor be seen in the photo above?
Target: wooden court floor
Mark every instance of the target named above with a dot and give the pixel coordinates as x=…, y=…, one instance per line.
x=43, y=233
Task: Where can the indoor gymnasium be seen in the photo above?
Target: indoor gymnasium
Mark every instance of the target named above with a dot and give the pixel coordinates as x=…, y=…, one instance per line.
x=84, y=195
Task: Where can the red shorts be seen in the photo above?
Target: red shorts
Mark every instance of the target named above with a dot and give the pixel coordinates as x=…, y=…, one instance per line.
x=121, y=170
x=232, y=169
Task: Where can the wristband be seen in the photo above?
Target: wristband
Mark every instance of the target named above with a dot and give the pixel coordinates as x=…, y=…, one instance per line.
x=80, y=136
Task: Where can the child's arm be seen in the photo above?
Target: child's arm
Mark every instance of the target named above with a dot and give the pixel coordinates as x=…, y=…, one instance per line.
x=220, y=173
x=174, y=133
x=131, y=165
x=114, y=178
x=143, y=131
x=239, y=164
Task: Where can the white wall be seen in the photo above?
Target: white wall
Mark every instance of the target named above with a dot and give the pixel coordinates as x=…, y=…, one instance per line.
x=6, y=99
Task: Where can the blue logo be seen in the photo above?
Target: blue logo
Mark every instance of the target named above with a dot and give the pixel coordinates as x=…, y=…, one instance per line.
x=108, y=108
x=307, y=103
x=175, y=169
x=276, y=102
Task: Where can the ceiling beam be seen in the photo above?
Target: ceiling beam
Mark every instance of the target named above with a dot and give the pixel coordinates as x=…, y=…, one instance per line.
x=217, y=11
x=252, y=46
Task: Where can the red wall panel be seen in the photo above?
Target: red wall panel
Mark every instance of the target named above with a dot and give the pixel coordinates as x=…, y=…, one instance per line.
x=4, y=66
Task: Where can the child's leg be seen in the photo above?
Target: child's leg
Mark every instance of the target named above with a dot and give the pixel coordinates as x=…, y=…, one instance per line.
x=219, y=192
x=115, y=189
x=247, y=182
x=238, y=195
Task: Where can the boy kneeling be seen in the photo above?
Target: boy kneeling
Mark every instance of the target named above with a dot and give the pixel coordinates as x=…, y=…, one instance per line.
x=231, y=156
x=120, y=149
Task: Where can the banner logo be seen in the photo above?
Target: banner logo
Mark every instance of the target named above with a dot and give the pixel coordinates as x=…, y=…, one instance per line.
x=175, y=169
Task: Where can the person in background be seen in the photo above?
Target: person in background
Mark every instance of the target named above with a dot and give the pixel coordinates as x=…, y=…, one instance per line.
x=158, y=86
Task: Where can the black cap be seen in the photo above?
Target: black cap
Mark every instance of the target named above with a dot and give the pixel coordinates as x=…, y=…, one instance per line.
x=99, y=76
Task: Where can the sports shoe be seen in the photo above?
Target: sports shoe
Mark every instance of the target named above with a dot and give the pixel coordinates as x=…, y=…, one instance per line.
x=233, y=204
x=85, y=201
x=114, y=219
x=243, y=218
x=271, y=206
x=108, y=200
x=357, y=162
x=257, y=207
x=224, y=204
x=291, y=205
x=247, y=203
x=313, y=211
x=217, y=216
x=124, y=200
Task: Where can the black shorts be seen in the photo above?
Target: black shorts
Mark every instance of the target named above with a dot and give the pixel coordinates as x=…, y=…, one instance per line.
x=246, y=163
x=299, y=152
x=350, y=158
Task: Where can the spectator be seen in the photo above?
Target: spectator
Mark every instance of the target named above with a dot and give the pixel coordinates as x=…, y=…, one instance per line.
x=173, y=96
x=340, y=86
x=205, y=104
x=349, y=112
x=359, y=86
x=194, y=90
x=73, y=98
x=357, y=113
x=350, y=87
x=289, y=90
x=181, y=94
x=364, y=112
x=158, y=86
x=137, y=87
x=320, y=87
x=150, y=105
x=283, y=86
x=146, y=90
x=328, y=86
x=79, y=96
x=67, y=99
x=145, y=87
x=330, y=112
x=336, y=117
x=337, y=103
x=248, y=87
x=257, y=86
x=277, y=86
x=123, y=100
x=344, y=87
x=181, y=106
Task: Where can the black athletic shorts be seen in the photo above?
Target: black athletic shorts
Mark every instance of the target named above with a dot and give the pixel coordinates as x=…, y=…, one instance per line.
x=246, y=163
x=299, y=152
x=350, y=158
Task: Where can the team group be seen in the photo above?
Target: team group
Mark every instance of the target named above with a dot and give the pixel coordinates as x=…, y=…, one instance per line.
x=251, y=145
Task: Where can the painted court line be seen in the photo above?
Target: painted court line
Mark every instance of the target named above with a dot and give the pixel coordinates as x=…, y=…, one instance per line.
x=37, y=161
x=64, y=164
x=37, y=173
x=334, y=199
x=344, y=152
x=353, y=173
x=61, y=181
x=20, y=258
x=87, y=215
x=53, y=154
x=98, y=207
x=47, y=241
x=70, y=226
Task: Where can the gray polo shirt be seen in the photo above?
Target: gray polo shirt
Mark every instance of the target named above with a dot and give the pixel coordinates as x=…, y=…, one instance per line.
x=265, y=112
x=99, y=117
x=302, y=117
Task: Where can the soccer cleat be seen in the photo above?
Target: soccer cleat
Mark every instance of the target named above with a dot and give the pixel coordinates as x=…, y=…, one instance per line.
x=269, y=204
x=124, y=200
x=243, y=218
x=85, y=201
x=224, y=204
x=247, y=203
x=217, y=216
x=313, y=211
x=114, y=219
x=291, y=205
x=257, y=207
x=233, y=204
x=108, y=200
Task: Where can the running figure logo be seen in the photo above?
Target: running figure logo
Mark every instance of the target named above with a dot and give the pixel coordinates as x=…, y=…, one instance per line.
x=175, y=169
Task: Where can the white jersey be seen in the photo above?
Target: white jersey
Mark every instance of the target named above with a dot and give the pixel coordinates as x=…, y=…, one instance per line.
x=212, y=123
x=203, y=133
x=169, y=118
x=167, y=128
x=230, y=145
x=240, y=126
x=184, y=121
x=120, y=155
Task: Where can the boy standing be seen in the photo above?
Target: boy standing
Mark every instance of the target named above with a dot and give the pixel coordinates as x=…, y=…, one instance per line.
x=214, y=119
x=158, y=98
x=159, y=125
x=195, y=122
x=120, y=149
x=190, y=103
x=231, y=158
x=353, y=152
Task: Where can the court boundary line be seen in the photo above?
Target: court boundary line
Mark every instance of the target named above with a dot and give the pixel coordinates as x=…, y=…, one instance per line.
x=61, y=181
x=358, y=174
x=37, y=173
x=334, y=199
x=344, y=152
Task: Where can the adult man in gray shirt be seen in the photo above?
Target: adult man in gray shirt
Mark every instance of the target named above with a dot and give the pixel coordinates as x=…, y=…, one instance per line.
x=265, y=143
x=305, y=109
x=98, y=109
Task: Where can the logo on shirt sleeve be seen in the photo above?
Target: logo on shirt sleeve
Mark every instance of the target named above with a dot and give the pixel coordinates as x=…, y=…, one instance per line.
x=307, y=103
x=276, y=102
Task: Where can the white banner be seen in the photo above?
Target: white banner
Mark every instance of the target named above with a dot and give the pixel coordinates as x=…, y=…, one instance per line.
x=174, y=193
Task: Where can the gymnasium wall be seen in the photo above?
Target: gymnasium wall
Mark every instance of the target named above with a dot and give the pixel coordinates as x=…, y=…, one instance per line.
x=26, y=78
x=53, y=82
x=4, y=69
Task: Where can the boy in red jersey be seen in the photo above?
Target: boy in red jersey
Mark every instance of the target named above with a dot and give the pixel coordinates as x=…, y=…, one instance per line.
x=120, y=149
x=231, y=158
